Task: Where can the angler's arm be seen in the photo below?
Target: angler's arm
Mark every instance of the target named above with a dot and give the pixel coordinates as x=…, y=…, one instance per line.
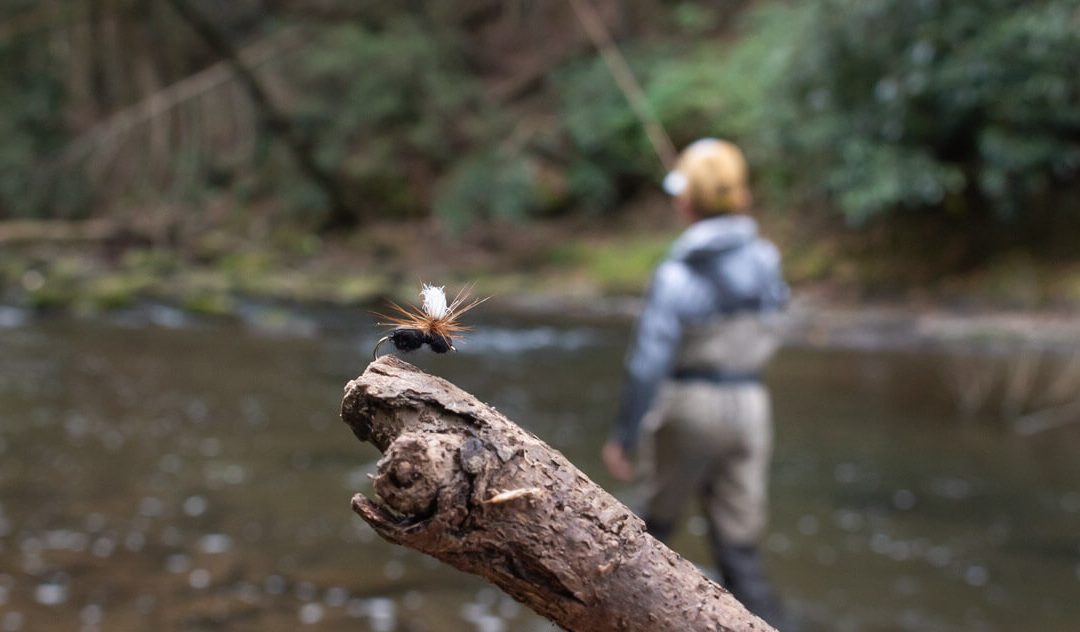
x=652, y=353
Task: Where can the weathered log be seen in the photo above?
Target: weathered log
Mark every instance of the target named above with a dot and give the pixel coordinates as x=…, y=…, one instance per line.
x=462, y=483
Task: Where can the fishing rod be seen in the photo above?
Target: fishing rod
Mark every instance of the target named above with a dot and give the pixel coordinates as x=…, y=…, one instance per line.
x=626, y=81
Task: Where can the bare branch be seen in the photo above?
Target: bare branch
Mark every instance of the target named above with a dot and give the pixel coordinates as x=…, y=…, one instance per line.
x=464, y=484
x=273, y=119
x=104, y=136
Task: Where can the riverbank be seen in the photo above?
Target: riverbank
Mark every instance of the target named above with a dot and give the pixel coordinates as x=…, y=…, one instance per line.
x=576, y=268
x=811, y=322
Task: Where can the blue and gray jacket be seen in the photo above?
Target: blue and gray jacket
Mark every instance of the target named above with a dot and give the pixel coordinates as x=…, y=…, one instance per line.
x=711, y=309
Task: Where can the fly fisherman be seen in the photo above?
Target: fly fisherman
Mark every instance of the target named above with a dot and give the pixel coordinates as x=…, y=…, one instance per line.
x=693, y=390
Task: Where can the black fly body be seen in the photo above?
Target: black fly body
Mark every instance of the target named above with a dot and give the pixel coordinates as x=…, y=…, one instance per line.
x=433, y=323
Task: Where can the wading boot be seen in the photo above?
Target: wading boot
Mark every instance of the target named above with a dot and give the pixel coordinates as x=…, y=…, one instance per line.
x=743, y=573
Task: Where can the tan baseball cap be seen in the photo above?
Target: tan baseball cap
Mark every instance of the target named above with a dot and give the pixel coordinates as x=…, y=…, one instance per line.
x=711, y=174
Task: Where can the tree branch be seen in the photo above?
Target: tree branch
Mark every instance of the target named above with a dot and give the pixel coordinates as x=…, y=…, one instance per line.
x=109, y=131
x=462, y=483
x=274, y=121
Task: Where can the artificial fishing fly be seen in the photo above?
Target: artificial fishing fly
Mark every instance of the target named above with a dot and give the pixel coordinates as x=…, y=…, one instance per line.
x=434, y=322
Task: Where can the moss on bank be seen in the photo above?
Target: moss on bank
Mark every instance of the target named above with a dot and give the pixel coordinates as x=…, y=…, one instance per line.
x=89, y=283
x=563, y=262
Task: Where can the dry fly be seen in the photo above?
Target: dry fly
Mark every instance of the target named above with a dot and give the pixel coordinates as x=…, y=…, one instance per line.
x=434, y=322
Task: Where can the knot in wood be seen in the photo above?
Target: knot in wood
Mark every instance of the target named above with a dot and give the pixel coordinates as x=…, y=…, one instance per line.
x=414, y=470
x=403, y=474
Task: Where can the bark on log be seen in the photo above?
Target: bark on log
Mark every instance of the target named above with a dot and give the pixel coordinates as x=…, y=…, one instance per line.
x=462, y=483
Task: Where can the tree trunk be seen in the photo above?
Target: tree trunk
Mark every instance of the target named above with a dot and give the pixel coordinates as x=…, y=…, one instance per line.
x=462, y=483
x=273, y=119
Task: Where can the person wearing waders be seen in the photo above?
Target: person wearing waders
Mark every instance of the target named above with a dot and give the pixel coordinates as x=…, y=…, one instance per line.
x=693, y=391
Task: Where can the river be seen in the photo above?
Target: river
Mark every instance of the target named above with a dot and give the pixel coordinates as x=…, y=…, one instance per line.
x=162, y=472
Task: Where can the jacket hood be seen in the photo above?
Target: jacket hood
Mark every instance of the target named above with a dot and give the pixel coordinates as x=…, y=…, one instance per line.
x=709, y=237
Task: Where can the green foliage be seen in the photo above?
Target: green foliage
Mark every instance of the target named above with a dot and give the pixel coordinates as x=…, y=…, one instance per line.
x=701, y=88
x=489, y=185
x=970, y=106
x=31, y=126
x=618, y=265
x=599, y=122
x=386, y=105
x=694, y=18
x=725, y=89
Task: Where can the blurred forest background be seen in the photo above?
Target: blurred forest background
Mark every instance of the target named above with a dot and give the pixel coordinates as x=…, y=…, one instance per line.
x=323, y=148
x=283, y=164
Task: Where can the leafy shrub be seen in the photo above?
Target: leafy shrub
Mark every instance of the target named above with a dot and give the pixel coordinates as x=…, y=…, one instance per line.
x=488, y=185
x=387, y=103
x=726, y=88
x=701, y=88
x=971, y=106
x=32, y=126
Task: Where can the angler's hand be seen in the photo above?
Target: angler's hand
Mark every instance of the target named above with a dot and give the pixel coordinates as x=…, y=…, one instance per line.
x=616, y=461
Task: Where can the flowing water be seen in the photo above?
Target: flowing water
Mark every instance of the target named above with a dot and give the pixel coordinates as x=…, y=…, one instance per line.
x=159, y=472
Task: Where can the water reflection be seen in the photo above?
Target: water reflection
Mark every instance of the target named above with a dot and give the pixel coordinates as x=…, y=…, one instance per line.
x=164, y=472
